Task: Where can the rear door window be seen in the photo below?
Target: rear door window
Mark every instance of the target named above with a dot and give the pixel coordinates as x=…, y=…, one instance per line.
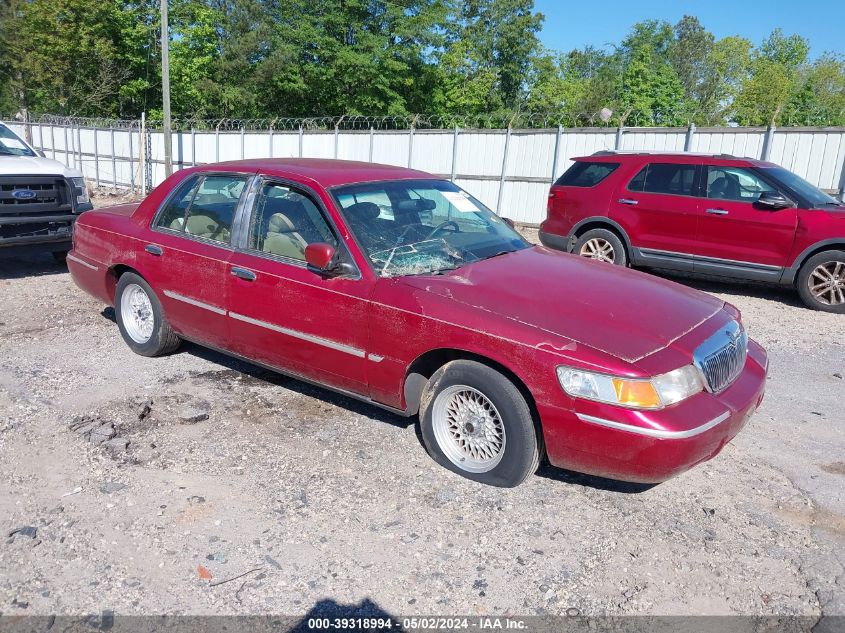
x=666, y=178
x=586, y=174
x=205, y=207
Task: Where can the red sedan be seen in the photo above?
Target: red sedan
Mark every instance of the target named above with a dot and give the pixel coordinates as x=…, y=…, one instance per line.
x=400, y=289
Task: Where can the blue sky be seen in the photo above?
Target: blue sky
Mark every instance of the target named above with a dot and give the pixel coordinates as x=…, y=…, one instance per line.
x=575, y=24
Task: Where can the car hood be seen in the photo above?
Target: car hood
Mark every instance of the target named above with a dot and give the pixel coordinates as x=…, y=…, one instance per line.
x=621, y=312
x=35, y=166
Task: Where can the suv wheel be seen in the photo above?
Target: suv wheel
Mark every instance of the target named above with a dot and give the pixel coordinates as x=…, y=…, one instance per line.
x=141, y=318
x=821, y=282
x=602, y=245
x=475, y=422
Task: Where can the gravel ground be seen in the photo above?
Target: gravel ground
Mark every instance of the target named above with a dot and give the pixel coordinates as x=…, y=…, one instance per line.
x=137, y=484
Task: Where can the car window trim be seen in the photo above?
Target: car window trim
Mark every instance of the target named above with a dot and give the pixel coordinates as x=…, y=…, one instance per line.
x=197, y=238
x=248, y=214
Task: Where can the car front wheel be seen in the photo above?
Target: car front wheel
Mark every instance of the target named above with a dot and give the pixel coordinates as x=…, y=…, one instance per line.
x=821, y=282
x=141, y=318
x=476, y=423
x=602, y=245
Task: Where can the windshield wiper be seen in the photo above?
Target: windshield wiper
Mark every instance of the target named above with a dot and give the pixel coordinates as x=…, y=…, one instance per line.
x=500, y=253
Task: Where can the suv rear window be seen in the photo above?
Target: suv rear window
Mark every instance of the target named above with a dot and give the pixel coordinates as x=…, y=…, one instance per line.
x=668, y=178
x=586, y=174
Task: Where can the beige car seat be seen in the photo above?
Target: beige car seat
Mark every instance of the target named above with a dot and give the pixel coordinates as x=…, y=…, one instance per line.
x=283, y=238
x=202, y=226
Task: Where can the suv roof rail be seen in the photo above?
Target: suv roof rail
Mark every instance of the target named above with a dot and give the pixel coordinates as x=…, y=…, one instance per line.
x=633, y=152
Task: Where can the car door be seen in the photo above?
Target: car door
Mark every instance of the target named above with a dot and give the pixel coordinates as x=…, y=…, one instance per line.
x=735, y=236
x=281, y=313
x=187, y=255
x=658, y=208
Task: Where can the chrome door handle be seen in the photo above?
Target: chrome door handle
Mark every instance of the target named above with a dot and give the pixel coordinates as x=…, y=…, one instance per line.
x=717, y=211
x=243, y=273
x=152, y=249
x=628, y=201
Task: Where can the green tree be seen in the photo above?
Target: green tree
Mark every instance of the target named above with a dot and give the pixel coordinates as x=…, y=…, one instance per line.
x=652, y=94
x=774, y=80
x=489, y=44
x=65, y=55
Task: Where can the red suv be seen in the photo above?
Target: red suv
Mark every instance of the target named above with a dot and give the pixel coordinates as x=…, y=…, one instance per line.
x=713, y=215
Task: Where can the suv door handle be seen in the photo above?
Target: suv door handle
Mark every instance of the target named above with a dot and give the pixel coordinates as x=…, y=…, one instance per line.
x=152, y=249
x=717, y=211
x=243, y=273
x=628, y=201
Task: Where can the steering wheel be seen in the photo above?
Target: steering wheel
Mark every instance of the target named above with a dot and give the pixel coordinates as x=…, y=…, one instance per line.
x=448, y=223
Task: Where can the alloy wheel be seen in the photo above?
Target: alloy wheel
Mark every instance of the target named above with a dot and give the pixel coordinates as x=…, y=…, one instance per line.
x=827, y=283
x=468, y=429
x=136, y=311
x=599, y=249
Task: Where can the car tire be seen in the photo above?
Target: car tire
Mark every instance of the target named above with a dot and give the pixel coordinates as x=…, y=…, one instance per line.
x=602, y=245
x=475, y=422
x=140, y=318
x=821, y=282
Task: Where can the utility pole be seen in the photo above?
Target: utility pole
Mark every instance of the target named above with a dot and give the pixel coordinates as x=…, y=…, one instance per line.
x=165, y=89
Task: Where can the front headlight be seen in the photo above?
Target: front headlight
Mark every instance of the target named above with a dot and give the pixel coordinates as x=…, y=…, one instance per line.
x=634, y=393
x=80, y=191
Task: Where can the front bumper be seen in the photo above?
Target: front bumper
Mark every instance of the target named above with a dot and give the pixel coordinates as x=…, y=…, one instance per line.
x=653, y=446
x=36, y=234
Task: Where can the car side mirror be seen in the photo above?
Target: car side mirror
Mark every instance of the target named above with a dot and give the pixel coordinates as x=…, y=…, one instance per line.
x=772, y=201
x=41, y=153
x=321, y=260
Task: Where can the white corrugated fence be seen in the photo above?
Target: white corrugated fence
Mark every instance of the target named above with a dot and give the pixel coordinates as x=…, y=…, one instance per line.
x=509, y=170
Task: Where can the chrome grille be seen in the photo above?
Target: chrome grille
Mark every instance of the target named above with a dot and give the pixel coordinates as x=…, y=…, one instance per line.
x=722, y=356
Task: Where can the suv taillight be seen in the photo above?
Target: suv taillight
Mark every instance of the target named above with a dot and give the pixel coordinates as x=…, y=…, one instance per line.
x=552, y=196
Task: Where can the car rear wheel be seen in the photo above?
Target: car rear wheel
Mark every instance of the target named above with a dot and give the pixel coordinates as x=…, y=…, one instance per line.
x=602, y=245
x=821, y=282
x=140, y=318
x=476, y=423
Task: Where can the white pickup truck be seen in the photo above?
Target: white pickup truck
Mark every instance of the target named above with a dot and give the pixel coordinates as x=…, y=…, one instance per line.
x=40, y=199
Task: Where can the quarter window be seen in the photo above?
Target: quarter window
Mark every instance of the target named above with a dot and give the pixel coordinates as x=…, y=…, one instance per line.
x=586, y=174
x=173, y=215
x=665, y=178
x=736, y=184
x=205, y=208
x=285, y=222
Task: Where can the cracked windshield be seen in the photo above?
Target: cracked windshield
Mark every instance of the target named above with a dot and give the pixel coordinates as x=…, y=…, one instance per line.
x=422, y=227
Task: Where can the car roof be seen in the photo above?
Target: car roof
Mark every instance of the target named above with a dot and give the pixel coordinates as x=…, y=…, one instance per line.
x=726, y=160
x=323, y=171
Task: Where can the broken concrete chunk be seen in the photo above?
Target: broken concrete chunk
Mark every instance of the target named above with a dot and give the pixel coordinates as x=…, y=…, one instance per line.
x=112, y=486
x=116, y=445
x=103, y=433
x=27, y=530
x=193, y=413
